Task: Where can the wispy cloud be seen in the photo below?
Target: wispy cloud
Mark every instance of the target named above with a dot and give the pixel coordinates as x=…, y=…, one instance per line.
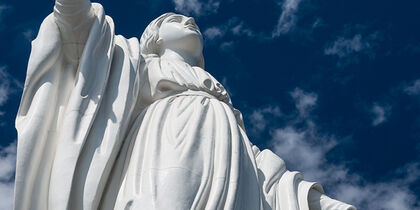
x=196, y=7
x=347, y=47
x=304, y=101
x=380, y=114
x=4, y=10
x=241, y=29
x=28, y=34
x=214, y=32
x=318, y=23
x=7, y=171
x=234, y=26
x=286, y=23
x=287, y=19
x=8, y=85
x=5, y=86
x=413, y=88
x=225, y=83
x=391, y=195
x=300, y=143
x=258, y=118
x=304, y=147
x=227, y=46
x=344, y=46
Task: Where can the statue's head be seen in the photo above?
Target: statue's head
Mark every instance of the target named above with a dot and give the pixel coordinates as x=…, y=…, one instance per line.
x=173, y=31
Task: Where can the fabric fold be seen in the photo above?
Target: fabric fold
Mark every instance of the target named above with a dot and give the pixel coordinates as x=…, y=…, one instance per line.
x=73, y=118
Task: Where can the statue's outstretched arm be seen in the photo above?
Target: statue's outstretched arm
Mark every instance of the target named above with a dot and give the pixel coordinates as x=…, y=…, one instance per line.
x=74, y=19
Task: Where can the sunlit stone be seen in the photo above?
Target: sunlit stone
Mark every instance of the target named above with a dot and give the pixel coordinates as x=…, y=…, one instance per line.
x=107, y=122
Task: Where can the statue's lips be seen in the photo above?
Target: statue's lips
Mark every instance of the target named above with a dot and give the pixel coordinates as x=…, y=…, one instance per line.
x=192, y=27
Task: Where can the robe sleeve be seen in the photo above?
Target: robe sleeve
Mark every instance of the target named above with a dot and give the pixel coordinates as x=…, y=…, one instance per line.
x=58, y=98
x=319, y=201
x=284, y=189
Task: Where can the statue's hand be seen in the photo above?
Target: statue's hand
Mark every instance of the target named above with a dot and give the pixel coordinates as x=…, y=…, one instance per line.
x=72, y=12
x=74, y=18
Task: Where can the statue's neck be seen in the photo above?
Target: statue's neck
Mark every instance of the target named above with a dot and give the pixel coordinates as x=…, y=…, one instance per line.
x=180, y=56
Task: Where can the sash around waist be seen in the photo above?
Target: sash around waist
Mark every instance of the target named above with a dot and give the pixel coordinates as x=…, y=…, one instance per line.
x=192, y=93
x=171, y=98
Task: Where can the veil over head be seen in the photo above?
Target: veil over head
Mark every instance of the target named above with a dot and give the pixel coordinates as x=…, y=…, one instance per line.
x=148, y=41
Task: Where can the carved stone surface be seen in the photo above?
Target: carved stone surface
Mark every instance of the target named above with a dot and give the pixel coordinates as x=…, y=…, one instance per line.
x=107, y=122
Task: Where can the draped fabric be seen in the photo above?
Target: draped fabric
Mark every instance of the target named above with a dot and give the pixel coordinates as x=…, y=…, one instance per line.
x=186, y=153
x=72, y=119
x=188, y=150
x=118, y=132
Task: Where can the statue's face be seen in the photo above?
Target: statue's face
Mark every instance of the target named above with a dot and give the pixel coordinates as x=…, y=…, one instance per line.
x=179, y=32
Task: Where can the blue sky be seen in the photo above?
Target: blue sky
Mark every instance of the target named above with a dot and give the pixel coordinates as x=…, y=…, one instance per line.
x=332, y=87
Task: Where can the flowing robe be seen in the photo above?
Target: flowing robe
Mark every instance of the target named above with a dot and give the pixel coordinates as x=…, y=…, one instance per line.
x=188, y=150
x=73, y=118
x=108, y=133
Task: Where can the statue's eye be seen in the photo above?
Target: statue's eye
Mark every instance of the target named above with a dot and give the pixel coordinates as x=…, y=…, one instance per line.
x=175, y=19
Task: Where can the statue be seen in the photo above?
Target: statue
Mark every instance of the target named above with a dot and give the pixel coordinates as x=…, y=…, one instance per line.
x=107, y=122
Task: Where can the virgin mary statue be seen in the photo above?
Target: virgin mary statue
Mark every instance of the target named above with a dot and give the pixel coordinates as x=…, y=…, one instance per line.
x=107, y=122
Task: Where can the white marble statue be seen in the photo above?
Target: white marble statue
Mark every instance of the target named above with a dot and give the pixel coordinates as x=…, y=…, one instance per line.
x=107, y=122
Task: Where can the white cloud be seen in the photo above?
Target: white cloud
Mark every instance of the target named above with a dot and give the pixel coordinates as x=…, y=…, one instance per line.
x=233, y=26
x=5, y=86
x=8, y=85
x=28, y=34
x=227, y=46
x=380, y=114
x=350, y=46
x=4, y=9
x=226, y=85
x=301, y=144
x=287, y=19
x=318, y=23
x=7, y=162
x=286, y=22
x=392, y=195
x=196, y=7
x=213, y=32
x=304, y=101
x=344, y=46
x=242, y=30
x=258, y=118
x=413, y=89
x=7, y=171
x=304, y=147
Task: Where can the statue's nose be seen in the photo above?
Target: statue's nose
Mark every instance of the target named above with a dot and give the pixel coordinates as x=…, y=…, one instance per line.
x=190, y=20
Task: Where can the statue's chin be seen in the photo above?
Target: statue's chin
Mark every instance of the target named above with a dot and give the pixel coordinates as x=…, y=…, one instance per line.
x=191, y=45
